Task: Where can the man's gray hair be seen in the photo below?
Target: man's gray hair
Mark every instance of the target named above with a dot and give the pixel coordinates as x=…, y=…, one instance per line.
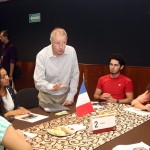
x=57, y=31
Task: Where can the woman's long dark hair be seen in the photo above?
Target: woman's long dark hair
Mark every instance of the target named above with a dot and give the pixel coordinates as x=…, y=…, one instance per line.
x=2, y=110
x=0, y=77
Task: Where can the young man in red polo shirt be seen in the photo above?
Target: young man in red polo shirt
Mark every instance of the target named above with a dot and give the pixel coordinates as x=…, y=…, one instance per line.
x=115, y=87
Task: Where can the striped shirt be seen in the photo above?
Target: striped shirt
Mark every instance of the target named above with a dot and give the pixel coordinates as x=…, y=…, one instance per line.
x=3, y=126
x=51, y=69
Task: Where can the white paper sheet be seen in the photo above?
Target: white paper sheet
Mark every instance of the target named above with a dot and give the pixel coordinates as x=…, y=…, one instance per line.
x=31, y=117
x=29, y=135
x=132, y=146
x=137, y=111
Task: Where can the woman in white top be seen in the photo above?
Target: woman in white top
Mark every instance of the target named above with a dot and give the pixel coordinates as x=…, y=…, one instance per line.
x=8, y=106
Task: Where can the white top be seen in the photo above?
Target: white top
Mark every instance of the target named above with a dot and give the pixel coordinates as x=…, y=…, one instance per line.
x=8, y=102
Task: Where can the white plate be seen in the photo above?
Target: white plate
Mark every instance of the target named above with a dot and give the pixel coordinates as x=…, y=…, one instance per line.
x=66, y=134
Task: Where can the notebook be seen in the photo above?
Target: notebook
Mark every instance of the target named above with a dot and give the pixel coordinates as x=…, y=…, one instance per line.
x=56, y=107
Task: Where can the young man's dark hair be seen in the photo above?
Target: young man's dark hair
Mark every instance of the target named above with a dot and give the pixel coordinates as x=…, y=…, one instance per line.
x=117, y=57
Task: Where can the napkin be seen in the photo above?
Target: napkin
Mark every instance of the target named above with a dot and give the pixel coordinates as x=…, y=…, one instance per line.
x=29, y=135
x=77, y=127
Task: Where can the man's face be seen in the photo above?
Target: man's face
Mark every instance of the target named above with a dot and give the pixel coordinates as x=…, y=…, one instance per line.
x=114, y=67
x=58, y=44
x=2, y=38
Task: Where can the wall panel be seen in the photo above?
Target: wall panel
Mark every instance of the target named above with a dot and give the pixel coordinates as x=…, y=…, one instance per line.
x=139, y=75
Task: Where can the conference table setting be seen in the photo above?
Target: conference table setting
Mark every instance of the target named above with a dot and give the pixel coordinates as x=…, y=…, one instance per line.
x=107, y=127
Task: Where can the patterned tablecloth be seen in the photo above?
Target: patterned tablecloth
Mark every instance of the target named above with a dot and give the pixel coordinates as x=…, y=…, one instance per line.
x=84, y=140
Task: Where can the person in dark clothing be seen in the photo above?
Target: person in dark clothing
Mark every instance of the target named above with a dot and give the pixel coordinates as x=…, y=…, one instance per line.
x=8, y=55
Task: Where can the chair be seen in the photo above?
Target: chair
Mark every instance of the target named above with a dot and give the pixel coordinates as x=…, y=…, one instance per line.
x=27, y=98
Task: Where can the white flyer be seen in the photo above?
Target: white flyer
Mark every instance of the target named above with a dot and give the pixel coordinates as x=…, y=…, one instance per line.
x=31, y=117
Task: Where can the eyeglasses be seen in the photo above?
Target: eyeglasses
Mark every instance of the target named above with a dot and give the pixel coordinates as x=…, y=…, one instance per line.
x=4, y=76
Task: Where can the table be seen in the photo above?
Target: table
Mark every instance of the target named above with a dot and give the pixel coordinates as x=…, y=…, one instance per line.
x=23, y=125
x=135, y=135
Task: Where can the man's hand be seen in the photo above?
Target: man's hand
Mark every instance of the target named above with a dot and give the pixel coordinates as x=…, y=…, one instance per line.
x=108, y=98
x=111, y=99
x=105, y=96
x=66, y=102
x=58, y=86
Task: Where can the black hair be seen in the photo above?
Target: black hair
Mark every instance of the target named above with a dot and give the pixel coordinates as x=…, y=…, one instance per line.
x=6, y=33
x=117, y=57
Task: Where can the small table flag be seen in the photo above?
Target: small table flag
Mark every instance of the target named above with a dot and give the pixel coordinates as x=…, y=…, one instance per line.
x=83, y=105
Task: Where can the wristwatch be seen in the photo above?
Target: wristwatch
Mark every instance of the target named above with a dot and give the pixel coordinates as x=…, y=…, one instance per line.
x=117, y=101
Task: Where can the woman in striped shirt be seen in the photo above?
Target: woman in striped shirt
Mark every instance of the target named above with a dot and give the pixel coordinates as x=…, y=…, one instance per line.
x=11, y=138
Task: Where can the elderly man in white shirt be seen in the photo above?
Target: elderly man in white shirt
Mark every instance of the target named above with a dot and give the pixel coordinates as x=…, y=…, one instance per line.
x=56, y=73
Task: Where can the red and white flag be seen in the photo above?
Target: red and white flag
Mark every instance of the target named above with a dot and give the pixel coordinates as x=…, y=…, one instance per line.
x=83, y=105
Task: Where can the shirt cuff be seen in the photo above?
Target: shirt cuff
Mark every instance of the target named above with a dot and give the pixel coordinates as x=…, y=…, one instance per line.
x=50, y=86
x=70, y=97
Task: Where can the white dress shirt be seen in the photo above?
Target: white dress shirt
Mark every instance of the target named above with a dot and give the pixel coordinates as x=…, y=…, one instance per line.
x=51, y=69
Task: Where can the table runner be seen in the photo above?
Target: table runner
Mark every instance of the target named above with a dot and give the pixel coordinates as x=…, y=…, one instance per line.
x=84, y=140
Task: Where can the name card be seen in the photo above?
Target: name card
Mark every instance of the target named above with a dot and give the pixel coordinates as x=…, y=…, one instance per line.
x=103, y=123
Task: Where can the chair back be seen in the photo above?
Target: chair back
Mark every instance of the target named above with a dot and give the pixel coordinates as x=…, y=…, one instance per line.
x=27, y=98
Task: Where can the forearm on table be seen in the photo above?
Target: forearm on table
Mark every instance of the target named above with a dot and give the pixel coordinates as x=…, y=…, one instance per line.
x=139, y=105
x=9, y=114
x=128, y=99
x=125, y=101
x=97, y=97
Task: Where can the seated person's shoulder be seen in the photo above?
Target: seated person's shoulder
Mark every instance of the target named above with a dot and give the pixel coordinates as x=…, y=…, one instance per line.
x=105, y=77
x=126, y=78
x=4, y=121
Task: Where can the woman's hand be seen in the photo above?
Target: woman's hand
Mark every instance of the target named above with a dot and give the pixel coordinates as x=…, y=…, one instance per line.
x=25, y=110
x=20, y=132
x=21, y=111
x=147, y=107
